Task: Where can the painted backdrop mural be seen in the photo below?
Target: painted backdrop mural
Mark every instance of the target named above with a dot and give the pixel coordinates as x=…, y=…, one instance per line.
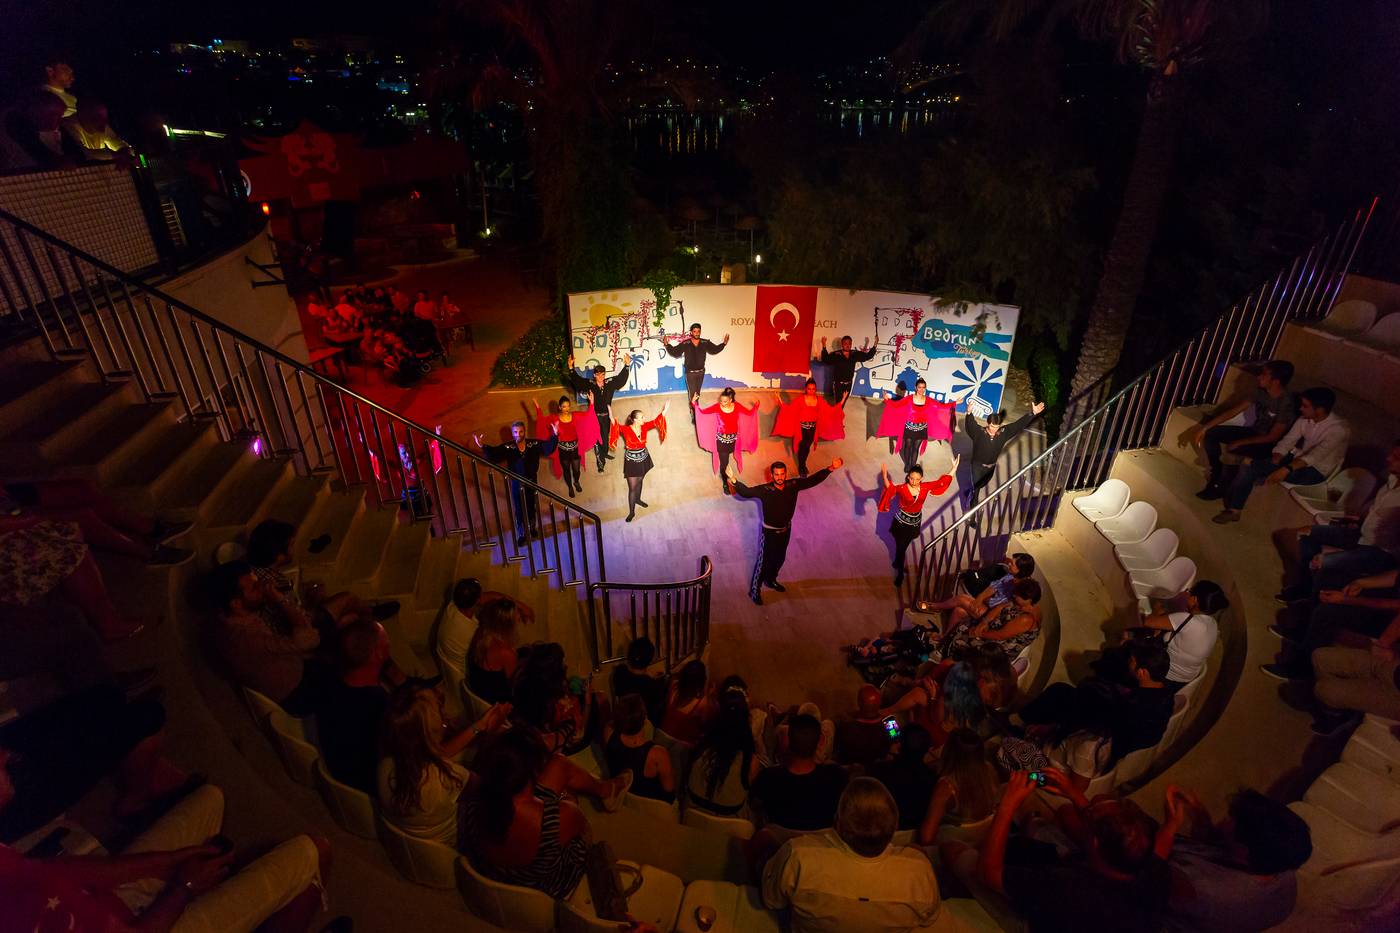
x=775, y=332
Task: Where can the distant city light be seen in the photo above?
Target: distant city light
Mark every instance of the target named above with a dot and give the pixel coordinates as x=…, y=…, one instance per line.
x=757, y=259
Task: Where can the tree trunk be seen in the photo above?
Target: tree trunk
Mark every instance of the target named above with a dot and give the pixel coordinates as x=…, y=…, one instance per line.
x=1126, y=261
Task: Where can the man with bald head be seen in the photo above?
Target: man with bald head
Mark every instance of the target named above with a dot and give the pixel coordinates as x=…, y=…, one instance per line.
x=863, y=740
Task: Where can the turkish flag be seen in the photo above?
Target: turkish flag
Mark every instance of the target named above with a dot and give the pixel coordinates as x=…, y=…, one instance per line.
x=783, y=322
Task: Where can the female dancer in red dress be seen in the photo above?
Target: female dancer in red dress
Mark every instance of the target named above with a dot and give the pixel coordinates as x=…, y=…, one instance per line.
x=636, y=460
x=917, y=419
x=911, y=494
x=577, y=431
x=726, y=428
x=807, y=419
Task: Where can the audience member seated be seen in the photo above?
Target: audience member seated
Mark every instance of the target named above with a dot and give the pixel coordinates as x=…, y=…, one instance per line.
x=107, y=524
x=864, y=739
x=269, y=551
x=946, y=696
x=56, y=642
x=1135, y=708
x=566, y=712
x=1079, y=744
x=1309, y=453
x=276, y=663
x=492, y=655
x=688, y=705
x=1362, y=609
x=519, y=823
x=1110, y=879
x=348, y=722
x=33, y=138
x=779, y=747
x=1271, y=409
x=626, y=748
x=906, y=776
x=176, y=875
x=632, y=677
x=1351, y=681
x=1012, y=626
x=994, y=587
x=418, y=779
x=851, y=877
x=1331, y=556
x=724, y=762
x=424, y=307
x=1190, y=636
x=95, y=138
x=58, y=752
x=451, y=639
x=965, y=792
x=799, y=794
x=1238, y=876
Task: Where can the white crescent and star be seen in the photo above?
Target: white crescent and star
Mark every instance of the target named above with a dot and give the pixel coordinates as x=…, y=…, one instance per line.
x=789, y=308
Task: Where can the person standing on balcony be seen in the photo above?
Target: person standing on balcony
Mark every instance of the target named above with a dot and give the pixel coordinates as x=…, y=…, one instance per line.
x=58, y=78
x=600, y=389
x=778, y=501
x=1272, y=409
x=694, y=349
x=910, y=514
x=33, y=136
x=522, y=457
x=843, y=368
x=90, y=129
x=1311, y=452
x=917, y=419
x=989, y=441
x=638, y=463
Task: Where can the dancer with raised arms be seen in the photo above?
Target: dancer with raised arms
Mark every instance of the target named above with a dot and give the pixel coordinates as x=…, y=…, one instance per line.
x=917, y=419
x=910, y=515
x=522, y=457
x=778, y=501
x=576, y=431
x=637, y=459
x=988, y=443
x=843, y=368
x=600, y=391
x=694, y=349
x=807, y=419
x=726, y=429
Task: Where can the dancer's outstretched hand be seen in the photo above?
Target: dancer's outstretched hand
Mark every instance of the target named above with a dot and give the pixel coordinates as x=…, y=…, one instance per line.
x=571, y=361
x=667, y=406
x=885, y=472
x=726, y=339
x=476, y=439
x=956, y=460
x=554, y=426
x=837, y=464
x=1038, y=407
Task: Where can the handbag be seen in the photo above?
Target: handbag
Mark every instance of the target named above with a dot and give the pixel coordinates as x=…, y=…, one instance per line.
x=604, y=876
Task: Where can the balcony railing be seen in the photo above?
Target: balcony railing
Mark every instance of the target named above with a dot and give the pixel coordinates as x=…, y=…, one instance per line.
x=675, y=616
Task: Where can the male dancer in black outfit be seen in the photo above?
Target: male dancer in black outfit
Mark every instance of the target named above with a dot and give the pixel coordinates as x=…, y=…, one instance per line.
x=989, y=442
x=778, y=500
x=695, y=349
x=522, y=457
x=843, y=368
x=601, y=390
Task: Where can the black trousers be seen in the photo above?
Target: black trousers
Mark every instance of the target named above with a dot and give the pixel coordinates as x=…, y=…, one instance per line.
x=694, y=379
x=600, y=449
x=981, y=476
x=836, y=391
x=571, y=465
x=910, y=446
x=904, y=533
x=1220, y=435
x=772, y=552
x=726, y=450
x=806, y=441
x=526, y=509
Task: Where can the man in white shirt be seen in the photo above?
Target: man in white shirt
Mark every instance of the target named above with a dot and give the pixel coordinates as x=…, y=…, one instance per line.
x=1311, y=451
x=851, y=877
x=1331, y=556
x=58, y=78
x=453, y=635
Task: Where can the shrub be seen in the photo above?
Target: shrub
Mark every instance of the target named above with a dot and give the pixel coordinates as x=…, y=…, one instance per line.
x=536, y=359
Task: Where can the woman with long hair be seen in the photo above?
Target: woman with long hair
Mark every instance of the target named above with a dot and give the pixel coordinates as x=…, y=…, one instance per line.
x=945, y=697
x=910, y=515
x=636, y=458
x=688, y=705
x=563, y=710
x=917, y=419
x=725, y=760
x=726, y=429
x=1012, y=626
x=577, y=431
x=418, y=780
x=967, y=786
x=491, y=654
x=808, y=419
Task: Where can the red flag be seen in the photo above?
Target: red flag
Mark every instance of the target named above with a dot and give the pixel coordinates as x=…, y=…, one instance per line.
x=783, y=322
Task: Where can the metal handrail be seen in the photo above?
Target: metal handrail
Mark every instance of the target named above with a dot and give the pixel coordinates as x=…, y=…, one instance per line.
x=1135, y=415
x=241, y=405
x=678, y=630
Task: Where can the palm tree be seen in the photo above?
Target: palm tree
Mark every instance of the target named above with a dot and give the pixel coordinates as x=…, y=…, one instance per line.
x=1167, y=39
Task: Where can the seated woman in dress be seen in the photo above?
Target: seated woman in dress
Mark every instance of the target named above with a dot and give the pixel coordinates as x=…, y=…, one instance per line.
x=519, y=825
x=1011, y=628
x=688, y=705
x=724, y=761
x=626, y=748
x=492, y=656
x=419, y=780
x=565, y=711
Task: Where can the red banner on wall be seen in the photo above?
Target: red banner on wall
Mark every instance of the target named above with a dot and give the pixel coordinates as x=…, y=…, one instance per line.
x=783, y=322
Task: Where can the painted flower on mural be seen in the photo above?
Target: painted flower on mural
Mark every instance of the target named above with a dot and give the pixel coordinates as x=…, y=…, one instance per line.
x=968, y=381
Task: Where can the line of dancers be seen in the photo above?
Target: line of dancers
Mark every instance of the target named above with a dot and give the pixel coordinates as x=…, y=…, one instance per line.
x=728, y=429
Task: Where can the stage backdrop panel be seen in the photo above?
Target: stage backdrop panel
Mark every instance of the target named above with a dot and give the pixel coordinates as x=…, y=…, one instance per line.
x=963, y=356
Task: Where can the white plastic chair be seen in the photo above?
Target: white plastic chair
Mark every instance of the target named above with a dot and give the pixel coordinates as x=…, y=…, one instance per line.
x=260, y=706
x=1373, y=747
x=1108, y=501
x=1019, y=667
x=735, y=826
x=1360, y=797
x=1174, y=724
x=737, y=907
x=351, y=808
x=1133, y=765
x=298, y=755
x=656, y=809
x=1172, y=579
x=1383, y=337
x=509, y=906
x=1346, y=319
x=1131, y=526
x=657, y=902
x=1189, y=690
x=1337, y=843
x=1344, y=494
x=1152, y=553
x=1101, y=784
x=474, y=704
x=419, y=860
